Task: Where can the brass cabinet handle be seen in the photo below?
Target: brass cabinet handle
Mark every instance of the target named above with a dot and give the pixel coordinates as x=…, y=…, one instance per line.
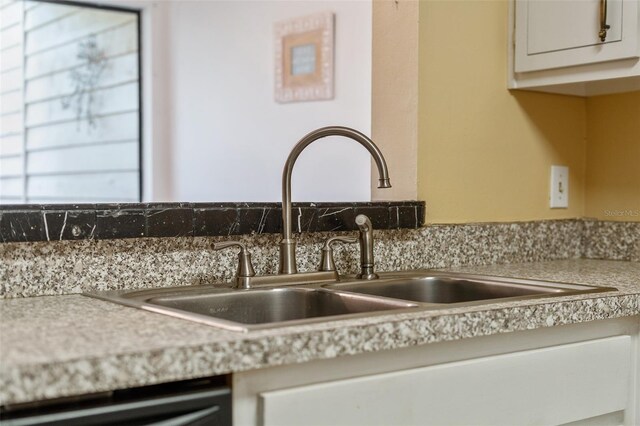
x=603, y=21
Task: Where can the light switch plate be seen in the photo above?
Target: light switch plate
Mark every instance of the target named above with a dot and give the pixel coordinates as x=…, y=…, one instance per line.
x=559, y=194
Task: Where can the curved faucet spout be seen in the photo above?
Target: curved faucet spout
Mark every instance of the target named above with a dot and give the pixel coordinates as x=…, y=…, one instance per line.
x=288, y=244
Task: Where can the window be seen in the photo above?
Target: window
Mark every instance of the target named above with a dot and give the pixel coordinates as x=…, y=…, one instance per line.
x=70, y=109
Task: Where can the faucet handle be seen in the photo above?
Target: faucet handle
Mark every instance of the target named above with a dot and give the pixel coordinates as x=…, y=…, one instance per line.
x=326, y=261
x=245, y=266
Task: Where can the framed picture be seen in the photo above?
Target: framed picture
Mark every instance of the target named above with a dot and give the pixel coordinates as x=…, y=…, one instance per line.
x=304, y=58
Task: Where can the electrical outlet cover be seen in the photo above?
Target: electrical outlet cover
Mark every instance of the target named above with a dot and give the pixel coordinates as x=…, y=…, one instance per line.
x=559, y=194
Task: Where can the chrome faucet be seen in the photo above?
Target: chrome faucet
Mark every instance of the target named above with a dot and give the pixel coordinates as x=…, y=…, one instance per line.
x=288, y=244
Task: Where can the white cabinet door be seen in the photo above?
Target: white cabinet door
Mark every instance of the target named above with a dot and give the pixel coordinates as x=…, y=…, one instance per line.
x=552, y=385
x=560, y=33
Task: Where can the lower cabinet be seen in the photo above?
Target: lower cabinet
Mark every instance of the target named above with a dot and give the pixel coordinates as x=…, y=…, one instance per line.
x=505, y=389
x=558, y=384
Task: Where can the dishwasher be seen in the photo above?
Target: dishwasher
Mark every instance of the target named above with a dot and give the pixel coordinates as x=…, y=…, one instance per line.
x=187, y=403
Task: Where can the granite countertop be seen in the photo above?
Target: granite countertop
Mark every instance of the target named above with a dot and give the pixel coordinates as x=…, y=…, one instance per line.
x=58, y=346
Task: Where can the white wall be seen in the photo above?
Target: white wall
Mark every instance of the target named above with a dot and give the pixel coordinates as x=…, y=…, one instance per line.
x=229, y=138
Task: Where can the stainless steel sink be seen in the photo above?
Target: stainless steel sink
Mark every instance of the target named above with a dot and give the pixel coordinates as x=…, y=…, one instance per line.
x=256, y=309
x=447, y=288
x=276, y=304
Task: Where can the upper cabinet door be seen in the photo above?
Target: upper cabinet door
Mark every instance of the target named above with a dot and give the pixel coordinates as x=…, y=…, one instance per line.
x=561, y=33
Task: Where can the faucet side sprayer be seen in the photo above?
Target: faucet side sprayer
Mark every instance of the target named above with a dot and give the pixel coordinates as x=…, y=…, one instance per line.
x=367, y=263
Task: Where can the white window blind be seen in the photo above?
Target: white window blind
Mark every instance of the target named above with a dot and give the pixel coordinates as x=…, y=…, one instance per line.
x=69, y=104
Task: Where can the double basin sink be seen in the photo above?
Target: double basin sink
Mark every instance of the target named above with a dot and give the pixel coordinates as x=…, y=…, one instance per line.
x=296, y=304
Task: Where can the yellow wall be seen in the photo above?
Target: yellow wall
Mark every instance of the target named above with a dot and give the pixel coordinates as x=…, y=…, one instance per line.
x=613, y=157
x=485, y=153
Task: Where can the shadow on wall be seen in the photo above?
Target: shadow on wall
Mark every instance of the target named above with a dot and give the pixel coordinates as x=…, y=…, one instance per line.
x=613, y=154
x=557, y=119
x=598, y=138
x=560, y=124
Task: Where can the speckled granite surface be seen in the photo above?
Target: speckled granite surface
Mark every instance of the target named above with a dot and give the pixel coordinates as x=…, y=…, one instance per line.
x=66, y=267
x=611, y=240
x=69, y=345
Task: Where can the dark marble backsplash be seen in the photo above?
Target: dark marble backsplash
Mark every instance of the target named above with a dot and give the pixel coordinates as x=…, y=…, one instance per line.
x=31, y=223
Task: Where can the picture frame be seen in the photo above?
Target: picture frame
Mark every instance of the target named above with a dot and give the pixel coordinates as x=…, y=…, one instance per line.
x=304, y=58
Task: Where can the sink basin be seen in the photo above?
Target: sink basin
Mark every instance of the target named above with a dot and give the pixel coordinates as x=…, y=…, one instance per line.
x=245, y=310
x=453, y=288
x=277, y=305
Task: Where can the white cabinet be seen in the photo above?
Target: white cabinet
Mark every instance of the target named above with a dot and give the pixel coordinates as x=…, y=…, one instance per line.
x=561, y=33
x=545, y=386
x=585, y=374
x=557, y=46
